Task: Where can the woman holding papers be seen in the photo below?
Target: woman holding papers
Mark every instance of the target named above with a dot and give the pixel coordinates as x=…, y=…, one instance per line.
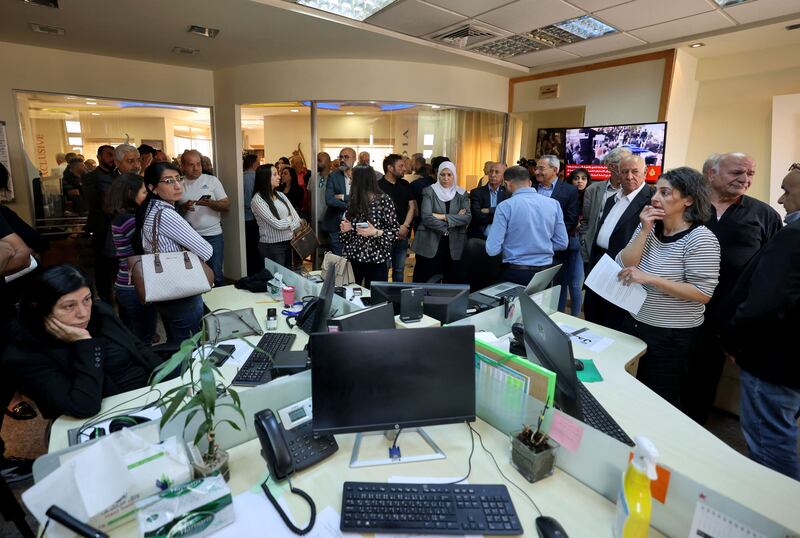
x=676, y=259
x=68, y=352
x=442, y=234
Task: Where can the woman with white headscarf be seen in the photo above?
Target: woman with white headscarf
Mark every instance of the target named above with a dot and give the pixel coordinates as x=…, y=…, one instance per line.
x=442, y=233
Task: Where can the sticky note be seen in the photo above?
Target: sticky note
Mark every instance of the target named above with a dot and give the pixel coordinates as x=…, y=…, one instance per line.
x=566, y=432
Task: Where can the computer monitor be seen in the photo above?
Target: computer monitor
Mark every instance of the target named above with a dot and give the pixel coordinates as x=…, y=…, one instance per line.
x=390, y=379
x=545, y=341
x=445, y=302
x=323, y=311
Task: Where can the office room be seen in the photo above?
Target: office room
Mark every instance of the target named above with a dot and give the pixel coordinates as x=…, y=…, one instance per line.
x=519, y=267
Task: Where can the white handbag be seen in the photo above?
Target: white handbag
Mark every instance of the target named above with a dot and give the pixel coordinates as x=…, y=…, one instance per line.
x=164, y=276
x=343, y=272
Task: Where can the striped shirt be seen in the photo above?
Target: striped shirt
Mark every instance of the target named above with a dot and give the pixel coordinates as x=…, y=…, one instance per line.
x=122, y=229
x=691, y=256
x=174, y=233
x=271, y=229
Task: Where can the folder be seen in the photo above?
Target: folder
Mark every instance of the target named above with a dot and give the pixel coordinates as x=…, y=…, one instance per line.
x=542, y=384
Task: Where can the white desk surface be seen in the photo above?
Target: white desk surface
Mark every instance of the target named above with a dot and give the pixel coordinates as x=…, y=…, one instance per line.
x=684, y=446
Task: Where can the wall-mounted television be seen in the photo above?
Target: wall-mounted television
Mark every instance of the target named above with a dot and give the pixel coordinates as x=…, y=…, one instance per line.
x=585, y=147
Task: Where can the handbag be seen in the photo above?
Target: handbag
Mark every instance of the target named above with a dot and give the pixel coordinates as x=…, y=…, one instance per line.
x=304, y=241
x=164, y=276
x=223, y=324
x=343, y=269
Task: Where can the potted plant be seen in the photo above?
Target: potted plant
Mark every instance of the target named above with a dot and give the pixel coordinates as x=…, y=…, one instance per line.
x=199, y=392
x=533, y=453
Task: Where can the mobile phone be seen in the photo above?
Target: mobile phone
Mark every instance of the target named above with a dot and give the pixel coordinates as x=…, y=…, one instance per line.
x=222, y=353
x=362, y=224
x=272, y=319
x=205, y=197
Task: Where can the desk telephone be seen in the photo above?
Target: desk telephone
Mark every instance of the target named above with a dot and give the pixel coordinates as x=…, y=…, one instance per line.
x=291, y=446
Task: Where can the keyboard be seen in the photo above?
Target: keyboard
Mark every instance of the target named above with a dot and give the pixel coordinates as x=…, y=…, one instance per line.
x=597, y=417
x=428, y=509
x=256, y=369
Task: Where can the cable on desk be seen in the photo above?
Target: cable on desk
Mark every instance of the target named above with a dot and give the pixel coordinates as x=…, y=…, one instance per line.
x=97, y=419
x=283, y=515
x=501, y=472
x=469, y=459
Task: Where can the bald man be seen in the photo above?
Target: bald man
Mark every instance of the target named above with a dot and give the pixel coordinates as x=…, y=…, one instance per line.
x=337, y=196
x=743, y=225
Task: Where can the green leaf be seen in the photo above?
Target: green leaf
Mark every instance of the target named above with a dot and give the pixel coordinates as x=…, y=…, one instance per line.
x=230, y=422
x=189, y=417
x=234, y=396
x=182, y=355
x=173, y=405
x=235, y=408
x=201, y=431
x=208, y=387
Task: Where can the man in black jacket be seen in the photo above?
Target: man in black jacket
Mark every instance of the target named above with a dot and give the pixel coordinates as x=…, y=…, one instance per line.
x=95, y=185
x=620, y=219
x=483, y=201
x=759, y=337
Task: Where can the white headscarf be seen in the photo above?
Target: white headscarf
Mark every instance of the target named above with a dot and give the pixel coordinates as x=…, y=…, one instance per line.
x=445, y=195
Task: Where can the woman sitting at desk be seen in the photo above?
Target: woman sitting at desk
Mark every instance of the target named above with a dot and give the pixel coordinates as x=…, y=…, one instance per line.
x=68, y=352
x=676, y=259
x=369, y=228
x=442, y=233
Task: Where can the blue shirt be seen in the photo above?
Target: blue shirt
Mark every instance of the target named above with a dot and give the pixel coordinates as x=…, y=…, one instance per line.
x=527, y=229
x=249, y=181
x=546, y=191
x=492, y=203
x=791, y=217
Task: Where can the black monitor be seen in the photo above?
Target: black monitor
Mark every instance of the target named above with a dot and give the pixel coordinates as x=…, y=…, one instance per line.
x=323, y=309
x=445, y=302
x=389, y=379
x=545, y=341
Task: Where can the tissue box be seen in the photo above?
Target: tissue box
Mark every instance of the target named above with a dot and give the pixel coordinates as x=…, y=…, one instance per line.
x=151, y=468
x=197, y=508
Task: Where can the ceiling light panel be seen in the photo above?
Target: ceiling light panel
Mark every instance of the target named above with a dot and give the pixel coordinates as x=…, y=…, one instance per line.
x=352, y=9
x=509, y=46
x=586, y=27
x=44, y=3
x=203, y=31
x=726, y=3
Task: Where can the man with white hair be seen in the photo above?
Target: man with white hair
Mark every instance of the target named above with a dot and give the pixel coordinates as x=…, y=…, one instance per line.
x=594, y=199
x=743, y=225
x=127, y=160
x=566, y=194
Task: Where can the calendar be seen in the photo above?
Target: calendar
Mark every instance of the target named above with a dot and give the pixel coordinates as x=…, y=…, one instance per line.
x=710, y=523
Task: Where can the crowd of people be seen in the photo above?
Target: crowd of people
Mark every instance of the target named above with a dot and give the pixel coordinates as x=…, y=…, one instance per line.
x=717, y=264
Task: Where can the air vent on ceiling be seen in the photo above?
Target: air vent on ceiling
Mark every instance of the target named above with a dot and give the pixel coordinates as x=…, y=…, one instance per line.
x=203, y=31
x=793, y=26
x=185, y=50
x=44, y=3
x=465, y=36
x=47, y=29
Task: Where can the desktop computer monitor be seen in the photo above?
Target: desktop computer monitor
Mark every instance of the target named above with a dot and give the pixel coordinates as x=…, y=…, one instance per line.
x=445, y=302
x=545, y=341
x=384, y=380
x=314, y=318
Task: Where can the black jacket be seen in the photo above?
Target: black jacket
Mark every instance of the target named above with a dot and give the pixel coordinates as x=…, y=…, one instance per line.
x=567, y=195
x=765, y=312
x=626, y=224
x=71, y=378
x=480, y=198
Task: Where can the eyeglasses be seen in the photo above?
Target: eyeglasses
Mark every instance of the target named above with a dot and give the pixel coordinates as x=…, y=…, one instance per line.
x=794, y=166
x=172, y=181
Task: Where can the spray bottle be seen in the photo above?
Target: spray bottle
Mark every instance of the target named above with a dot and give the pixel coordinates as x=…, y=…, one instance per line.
x=634, y=503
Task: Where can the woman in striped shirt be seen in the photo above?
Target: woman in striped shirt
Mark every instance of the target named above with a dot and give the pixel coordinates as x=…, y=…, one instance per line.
x=164, y=184
x=277, y=219
x=677, y=259
x=126, y=193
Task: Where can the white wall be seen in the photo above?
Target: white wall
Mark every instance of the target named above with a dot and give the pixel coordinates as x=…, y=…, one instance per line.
x=680, y=114
x=48, y=70
x=785, y=142
x=625, y=94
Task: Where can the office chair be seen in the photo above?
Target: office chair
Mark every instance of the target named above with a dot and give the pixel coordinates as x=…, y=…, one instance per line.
x=12, y=511
x=481, y=269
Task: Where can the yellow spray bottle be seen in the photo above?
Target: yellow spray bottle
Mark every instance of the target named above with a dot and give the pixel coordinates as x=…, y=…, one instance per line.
x=634, y=503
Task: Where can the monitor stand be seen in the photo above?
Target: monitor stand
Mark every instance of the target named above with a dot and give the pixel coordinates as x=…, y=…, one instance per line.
x=435, y=454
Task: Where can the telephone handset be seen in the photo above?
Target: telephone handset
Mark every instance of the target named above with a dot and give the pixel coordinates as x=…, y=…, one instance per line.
x=274, y=448
x=306, y=315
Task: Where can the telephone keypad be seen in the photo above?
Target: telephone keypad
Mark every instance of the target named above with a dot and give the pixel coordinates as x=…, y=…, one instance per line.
x=308, y=449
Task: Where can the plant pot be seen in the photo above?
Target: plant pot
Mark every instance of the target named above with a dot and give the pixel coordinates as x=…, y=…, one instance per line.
x=531, y=464
x=203, y=468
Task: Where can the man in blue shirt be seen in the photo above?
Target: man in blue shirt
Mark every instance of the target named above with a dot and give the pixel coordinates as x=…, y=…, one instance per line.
x=528, y=228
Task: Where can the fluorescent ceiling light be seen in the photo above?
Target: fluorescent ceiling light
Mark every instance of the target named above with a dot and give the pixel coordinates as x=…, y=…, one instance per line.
x=73, y=127
x=294, y=110
x=352, y=9
x=91, y=102
x=509, y=46
x=350, y=113
x=95, y=113
x=427, y=140
x=586, y=27
x=728, y=3
x=435, y=106
x=427, y=153
x=74, y=141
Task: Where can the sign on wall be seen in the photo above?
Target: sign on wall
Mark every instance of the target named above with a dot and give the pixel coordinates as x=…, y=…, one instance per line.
x=6, y=195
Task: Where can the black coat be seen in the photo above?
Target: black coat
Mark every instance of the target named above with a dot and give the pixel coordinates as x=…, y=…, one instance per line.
x=71, y=378
x=568, y=197
x=765, y=312
x=626, y=224
x=480, y=198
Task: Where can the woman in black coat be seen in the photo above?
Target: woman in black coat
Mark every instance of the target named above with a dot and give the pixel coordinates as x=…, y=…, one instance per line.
x=68, y=352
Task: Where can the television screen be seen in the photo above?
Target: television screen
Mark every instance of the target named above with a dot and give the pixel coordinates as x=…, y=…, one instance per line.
x=587, y=146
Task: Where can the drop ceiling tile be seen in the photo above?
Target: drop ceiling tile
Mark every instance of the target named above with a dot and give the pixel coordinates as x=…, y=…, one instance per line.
x=594, y=5
x=641, y=13
x=526, y=15
x=602, y=45
x=414, y=18
x=542, y=57
x=689, y=26
x=470, y=8
x=760, y=10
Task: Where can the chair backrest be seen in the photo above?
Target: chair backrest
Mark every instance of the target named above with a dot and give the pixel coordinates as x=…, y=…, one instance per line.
x=482, y=270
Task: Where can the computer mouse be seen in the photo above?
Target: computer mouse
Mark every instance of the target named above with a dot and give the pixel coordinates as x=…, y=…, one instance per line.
x=126, y=422
x=578, y=365
x=97, y=432
x=548, y=527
